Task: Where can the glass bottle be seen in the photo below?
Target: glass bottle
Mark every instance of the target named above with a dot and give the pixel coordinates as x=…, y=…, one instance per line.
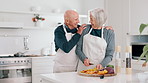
x=128, y=60
x=117, y=59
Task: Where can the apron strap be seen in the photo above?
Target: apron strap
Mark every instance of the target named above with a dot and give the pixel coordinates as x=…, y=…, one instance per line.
x=64, y=27
x=90, y=30
x=103, y=26
x=102, y=32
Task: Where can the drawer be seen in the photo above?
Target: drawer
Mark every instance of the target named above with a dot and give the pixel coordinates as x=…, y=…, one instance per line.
x=46, y=57
x=43, y=67
x=42, y=60
x=42, y=71
x=42, y=64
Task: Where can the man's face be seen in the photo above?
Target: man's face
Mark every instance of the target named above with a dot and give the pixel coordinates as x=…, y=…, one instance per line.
x=73, y=21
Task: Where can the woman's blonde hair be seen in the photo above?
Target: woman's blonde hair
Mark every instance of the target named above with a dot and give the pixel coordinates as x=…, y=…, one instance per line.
x=99, y=15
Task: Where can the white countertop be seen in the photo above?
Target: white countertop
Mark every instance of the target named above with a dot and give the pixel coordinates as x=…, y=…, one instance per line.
x=73, y=77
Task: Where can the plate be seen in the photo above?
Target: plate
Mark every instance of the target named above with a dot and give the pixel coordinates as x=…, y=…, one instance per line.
x=95, y=75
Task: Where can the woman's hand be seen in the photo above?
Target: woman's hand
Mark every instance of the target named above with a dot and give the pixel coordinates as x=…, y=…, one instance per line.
x=109, y=27
x=86, y=62
x=99, y=66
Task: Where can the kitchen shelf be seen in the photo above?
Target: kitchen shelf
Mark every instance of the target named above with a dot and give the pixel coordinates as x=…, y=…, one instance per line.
x=14, y=36
x=23, y=12
x=36, y=28
x=41, y=13
x=28, y=28
x=35, y=13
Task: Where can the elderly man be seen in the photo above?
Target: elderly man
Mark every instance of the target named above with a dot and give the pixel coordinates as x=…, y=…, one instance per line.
x=66, y=38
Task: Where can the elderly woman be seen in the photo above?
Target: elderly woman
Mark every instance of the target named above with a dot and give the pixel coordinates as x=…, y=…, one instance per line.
x=96, y=45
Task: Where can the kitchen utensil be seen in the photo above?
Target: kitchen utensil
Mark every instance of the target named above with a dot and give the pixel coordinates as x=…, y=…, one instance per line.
x=45, y=51
x=91, y=64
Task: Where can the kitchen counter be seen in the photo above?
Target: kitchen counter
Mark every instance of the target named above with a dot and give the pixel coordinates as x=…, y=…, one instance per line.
x=73, y=77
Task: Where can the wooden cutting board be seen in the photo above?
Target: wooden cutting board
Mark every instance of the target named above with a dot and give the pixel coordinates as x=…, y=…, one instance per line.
x=95, y=75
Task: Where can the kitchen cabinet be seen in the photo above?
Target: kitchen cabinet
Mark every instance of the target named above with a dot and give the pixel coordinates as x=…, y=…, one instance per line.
x=41, y=65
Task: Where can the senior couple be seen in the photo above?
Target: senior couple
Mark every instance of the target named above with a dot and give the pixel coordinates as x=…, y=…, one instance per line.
x=78, y=47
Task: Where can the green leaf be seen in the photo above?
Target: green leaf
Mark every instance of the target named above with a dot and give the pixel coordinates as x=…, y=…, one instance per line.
x=146, y=56
x=110, y=66
x=145, y=48
x=145, y=53
x=142, y=27
x=142, y=55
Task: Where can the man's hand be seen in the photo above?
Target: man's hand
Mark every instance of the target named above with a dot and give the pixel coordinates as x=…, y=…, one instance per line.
x=86, y=62
x=81, y=28
x=99, y=66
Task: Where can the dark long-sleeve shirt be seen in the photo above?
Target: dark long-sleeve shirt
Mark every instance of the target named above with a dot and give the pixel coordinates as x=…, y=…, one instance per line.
x=61, y=41
x=109, y=37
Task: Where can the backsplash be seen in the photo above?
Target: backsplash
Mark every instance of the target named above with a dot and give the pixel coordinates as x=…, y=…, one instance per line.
x=37, y=40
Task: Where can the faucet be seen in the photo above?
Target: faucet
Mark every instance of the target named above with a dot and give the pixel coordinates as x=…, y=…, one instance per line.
x=26, y=48
x=26, y=43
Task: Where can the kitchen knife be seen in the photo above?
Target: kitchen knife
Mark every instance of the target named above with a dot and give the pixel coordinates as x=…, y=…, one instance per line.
x=91, y=64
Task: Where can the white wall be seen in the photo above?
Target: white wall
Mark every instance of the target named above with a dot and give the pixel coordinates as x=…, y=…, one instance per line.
x=125, y=16
x=46, y=5
x=87, y=5
x=138, y=15
x=91, y=4
x=38, y=38
x=118, y=18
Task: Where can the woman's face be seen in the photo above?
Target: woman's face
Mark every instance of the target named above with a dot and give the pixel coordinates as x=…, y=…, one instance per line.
x=93, y=21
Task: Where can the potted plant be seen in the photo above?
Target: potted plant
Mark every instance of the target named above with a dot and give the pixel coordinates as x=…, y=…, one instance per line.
x=145, y=48
x=38, y=20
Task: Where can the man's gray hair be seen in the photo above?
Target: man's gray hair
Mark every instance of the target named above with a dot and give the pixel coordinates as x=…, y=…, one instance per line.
x=99, y=15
